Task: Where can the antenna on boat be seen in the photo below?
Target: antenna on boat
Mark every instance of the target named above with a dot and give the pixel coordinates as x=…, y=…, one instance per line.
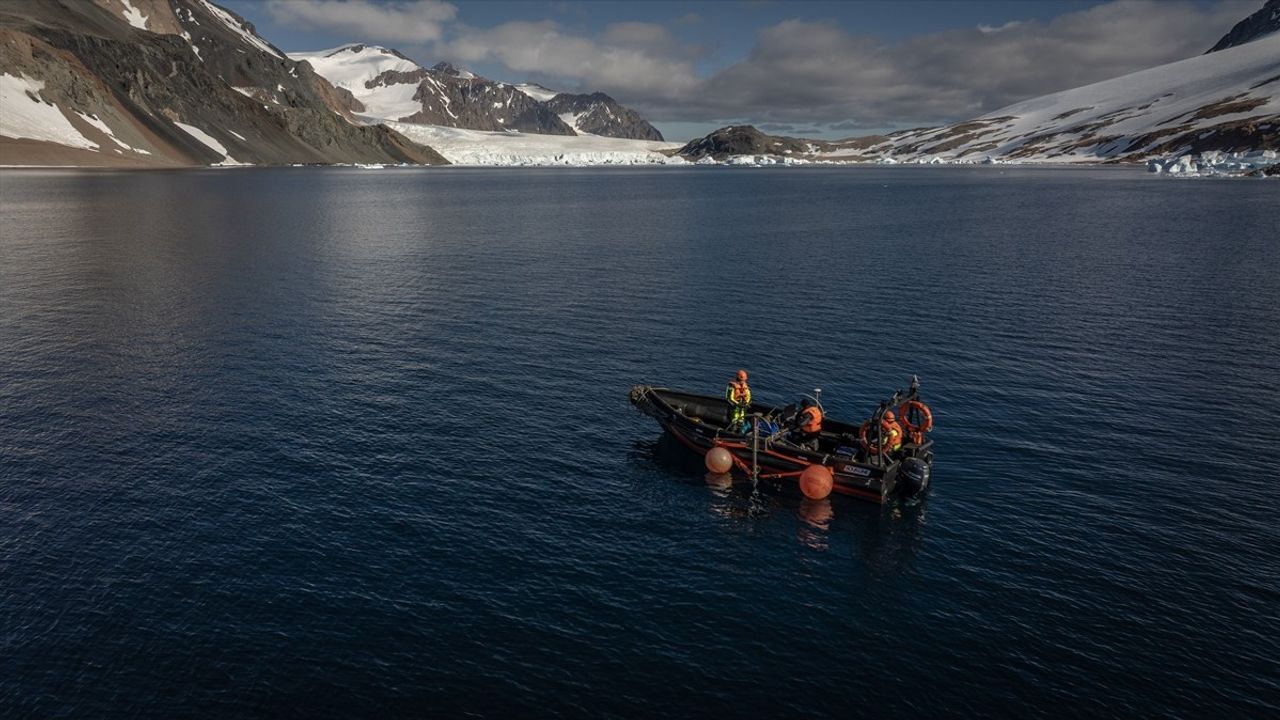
x=817, y=399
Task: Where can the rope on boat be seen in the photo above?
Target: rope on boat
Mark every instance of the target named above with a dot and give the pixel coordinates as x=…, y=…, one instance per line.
x=755, y=449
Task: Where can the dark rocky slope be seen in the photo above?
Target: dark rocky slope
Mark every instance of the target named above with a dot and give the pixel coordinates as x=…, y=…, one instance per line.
x=199, y=70
x=599, y=114
x=459, y=99
x=1262, y=23
x=747, y=140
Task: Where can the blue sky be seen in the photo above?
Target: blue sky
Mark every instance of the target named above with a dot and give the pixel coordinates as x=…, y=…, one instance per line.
x=818, y=69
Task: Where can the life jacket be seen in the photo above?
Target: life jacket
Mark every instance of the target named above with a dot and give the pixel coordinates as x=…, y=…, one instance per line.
x=738, y=393
x=895, y=435
x=811, y=420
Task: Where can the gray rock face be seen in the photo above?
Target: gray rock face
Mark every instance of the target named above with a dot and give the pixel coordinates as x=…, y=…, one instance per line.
x=259, y=105
x=454, y=98
x=1263, y=22
x=599, y=114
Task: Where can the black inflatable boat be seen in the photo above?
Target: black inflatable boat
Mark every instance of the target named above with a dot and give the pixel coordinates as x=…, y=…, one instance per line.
x=858, y=456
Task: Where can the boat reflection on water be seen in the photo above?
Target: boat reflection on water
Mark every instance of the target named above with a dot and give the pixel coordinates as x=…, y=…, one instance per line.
x=667, y=454
x=890, y=541
x=887, y=538
x=815, y=523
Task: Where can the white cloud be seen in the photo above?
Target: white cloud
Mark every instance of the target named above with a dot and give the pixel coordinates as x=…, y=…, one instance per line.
x=999, y=28
x=799, y=72
x=805, y=72
x=416, y=22
x=628, y=59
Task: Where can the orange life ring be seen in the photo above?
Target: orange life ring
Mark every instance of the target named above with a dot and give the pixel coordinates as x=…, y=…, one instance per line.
x=886, y=428
x=926, y=424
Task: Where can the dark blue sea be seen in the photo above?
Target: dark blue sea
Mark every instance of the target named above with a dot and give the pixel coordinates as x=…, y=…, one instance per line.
x=308, y=443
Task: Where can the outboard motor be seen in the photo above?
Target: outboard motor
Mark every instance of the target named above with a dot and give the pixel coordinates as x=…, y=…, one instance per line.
x=913, y=477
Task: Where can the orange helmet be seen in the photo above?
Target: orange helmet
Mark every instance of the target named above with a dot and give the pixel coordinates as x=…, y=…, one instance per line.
x=742, y=376
x=888, y=415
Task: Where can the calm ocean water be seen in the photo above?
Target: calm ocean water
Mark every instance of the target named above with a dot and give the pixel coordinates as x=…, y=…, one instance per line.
x=338, y=443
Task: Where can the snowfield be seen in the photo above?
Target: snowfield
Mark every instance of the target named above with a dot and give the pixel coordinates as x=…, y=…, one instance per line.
x=1163, y=110
x=23, y=117
x=478, y=147
x=351, y=66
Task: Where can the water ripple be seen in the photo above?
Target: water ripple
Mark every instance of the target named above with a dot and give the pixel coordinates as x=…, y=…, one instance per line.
x=280, y=443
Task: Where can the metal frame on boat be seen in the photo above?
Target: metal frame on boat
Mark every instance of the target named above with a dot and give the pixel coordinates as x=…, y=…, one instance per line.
x=852, y=453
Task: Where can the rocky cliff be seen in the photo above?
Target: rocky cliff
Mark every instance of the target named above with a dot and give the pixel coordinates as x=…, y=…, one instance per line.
x=745, y=140
x=456, y=98
x=599, y=114
x=1260, y=24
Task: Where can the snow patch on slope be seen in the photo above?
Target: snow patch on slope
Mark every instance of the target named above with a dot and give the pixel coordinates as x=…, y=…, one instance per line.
x=571, y=119
x=210, y=142
x=536, y=91
x=30, y=119
x=478, y=147
x=106, y=130
x=134, y=16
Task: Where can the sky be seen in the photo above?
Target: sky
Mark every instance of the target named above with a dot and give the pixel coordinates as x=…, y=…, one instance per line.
x=810, y=69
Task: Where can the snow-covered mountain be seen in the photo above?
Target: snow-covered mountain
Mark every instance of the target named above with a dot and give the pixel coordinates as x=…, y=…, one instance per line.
x=348, y=67
x=389, y=86
x=1227, y=101
x=180, y=82
x=168, y=82
x=1224, y=101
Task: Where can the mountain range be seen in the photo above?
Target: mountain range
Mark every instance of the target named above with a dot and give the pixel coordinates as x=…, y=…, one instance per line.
x=388, y=86
x=1227, y=100
x=165, y=83
x=187, y=82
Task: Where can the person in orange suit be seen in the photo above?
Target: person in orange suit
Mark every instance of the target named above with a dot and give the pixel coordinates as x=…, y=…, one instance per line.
x=895, y=431
x=808, y=424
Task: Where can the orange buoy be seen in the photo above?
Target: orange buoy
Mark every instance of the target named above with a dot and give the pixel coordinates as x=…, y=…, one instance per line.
x=816, y=482
x=719, y=460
